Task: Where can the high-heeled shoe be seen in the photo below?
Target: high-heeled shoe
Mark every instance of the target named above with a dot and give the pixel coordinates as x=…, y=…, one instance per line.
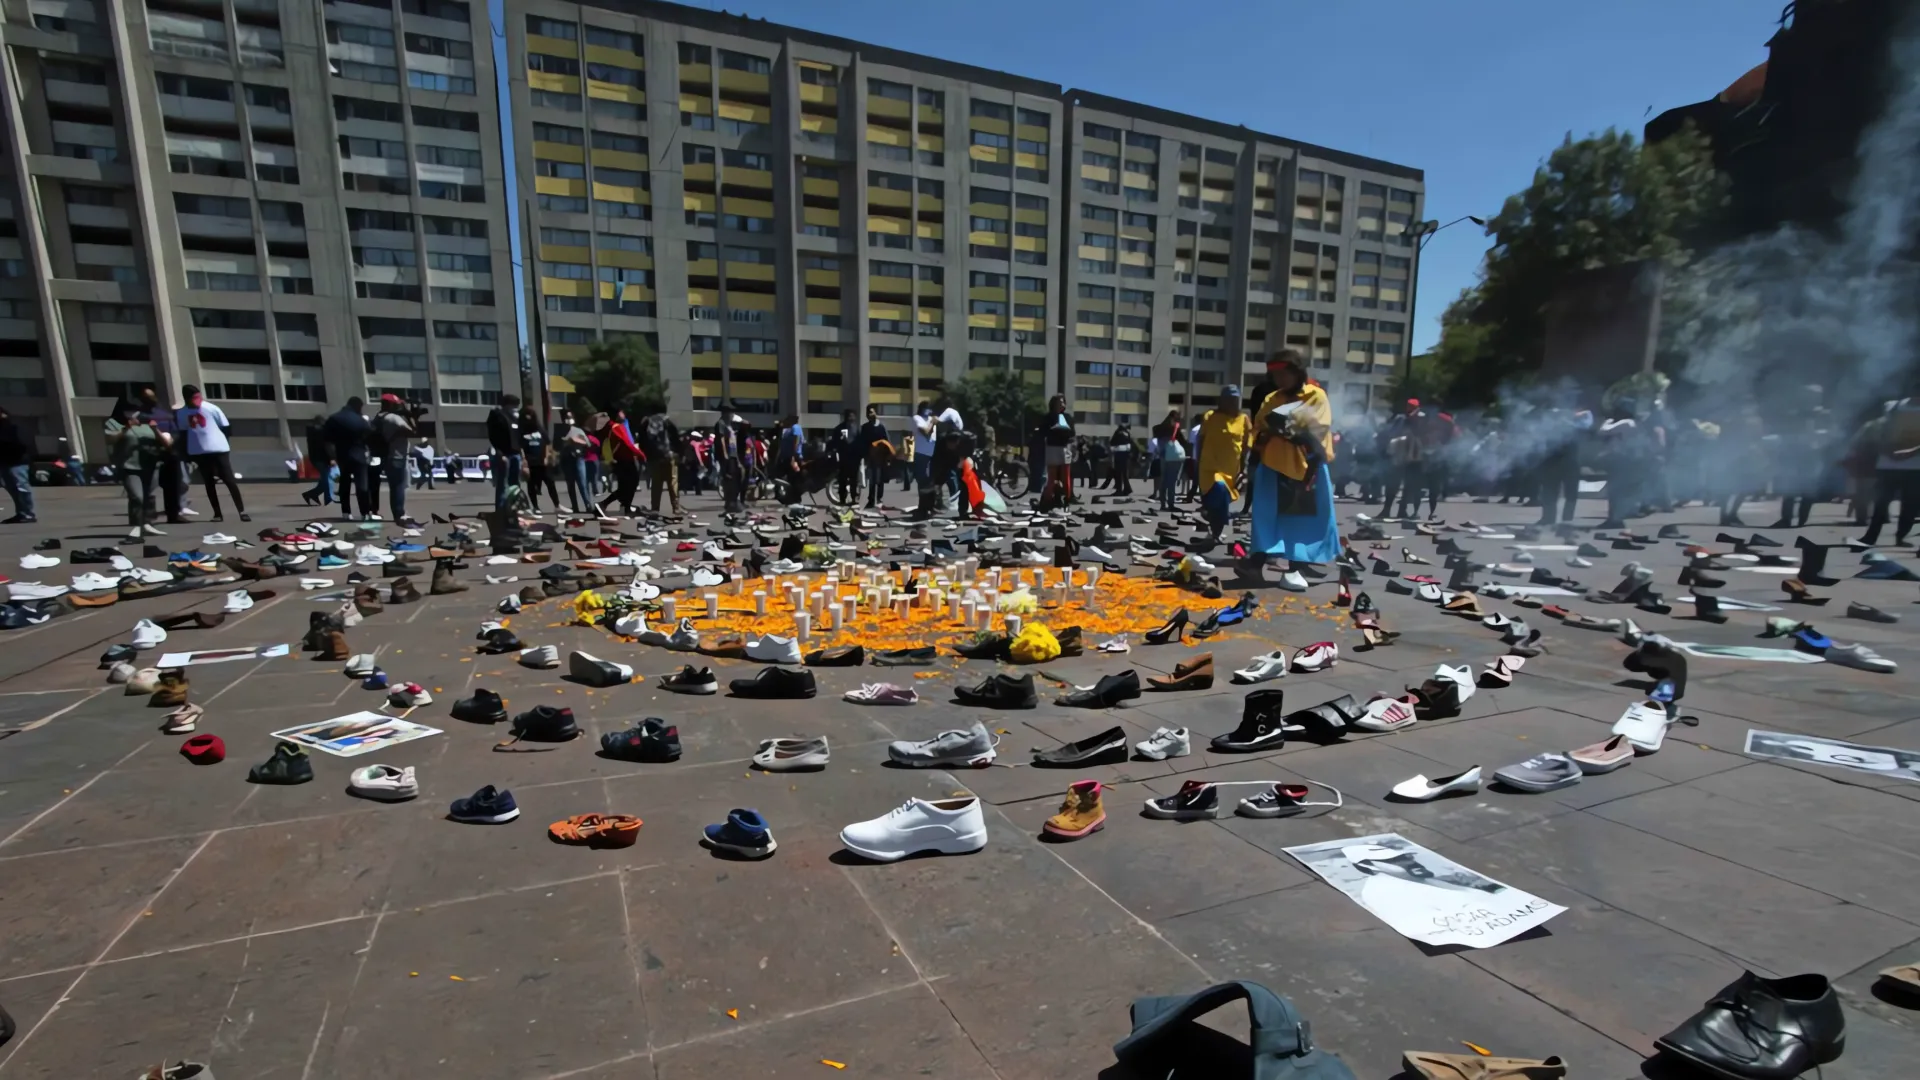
x=1175, y=629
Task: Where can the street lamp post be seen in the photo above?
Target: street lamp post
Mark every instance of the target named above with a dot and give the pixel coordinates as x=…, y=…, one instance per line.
x=1421, y=233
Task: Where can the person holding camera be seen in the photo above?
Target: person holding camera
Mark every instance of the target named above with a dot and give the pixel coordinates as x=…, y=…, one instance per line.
x=136, y=448
x=393, y=432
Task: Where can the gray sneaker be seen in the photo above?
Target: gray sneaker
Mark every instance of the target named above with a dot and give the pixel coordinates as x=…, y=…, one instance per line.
x=972, y=747
x=1542, y=772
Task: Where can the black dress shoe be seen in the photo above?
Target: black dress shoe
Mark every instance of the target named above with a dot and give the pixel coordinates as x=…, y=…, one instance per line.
x=484, y=707
x=775, y=682
x=905, y=657
x=1111, y=690
x=50, y=544
x=1763, y=1029
x=841, y=656
x=999, y=692
x=987, y=647
x=1857, y=610
x=1093, y=750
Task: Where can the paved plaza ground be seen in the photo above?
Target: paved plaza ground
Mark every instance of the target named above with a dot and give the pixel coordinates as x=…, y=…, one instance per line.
x=154, y=910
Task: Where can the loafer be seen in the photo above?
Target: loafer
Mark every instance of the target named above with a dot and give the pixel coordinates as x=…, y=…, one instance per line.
x=1869, y=613
x=1603, y=757
x=1000, y=692
x=1088, y=751
x=920, y=657
x=1111, y=690
x=775, y=682
x=1421, y=789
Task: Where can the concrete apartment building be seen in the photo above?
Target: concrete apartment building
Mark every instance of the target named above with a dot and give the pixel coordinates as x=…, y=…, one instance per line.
x=284, y=203
x=806, y=223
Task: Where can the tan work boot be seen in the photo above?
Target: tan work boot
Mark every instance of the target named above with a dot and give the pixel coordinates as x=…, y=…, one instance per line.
x=172, y=691
x=333, y=645
x=1080, y=814
x=444, y=582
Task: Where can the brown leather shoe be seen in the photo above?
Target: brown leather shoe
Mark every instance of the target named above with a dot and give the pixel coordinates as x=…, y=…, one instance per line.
x=253, y=571
x=99, y=599
x=194, y=620
x=366, y=600
x=537, y=556
x=333, y=646
x=444, y=582
x=1195, y=674
x=404, y=591
x=435, y=551
x=172, y=692
x=531, y=594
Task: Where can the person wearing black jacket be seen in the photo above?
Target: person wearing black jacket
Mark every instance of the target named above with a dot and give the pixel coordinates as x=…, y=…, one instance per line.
x=842, y=442
x=1056, y=431
x=347, y=431
x=503, y=437
x=1120, y=457
x=659, y=439
x=16, y=466
x=868, y=450
x=320, y=456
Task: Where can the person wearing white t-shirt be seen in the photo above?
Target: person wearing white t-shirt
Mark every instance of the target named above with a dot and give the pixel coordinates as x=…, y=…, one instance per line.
x=923, y=429
x=205, y=426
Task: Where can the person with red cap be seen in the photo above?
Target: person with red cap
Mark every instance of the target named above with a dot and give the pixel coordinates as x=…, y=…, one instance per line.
x=1292, y=491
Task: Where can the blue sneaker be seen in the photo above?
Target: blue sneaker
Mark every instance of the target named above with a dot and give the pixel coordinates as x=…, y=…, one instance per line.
x=330, y=562
x=744, y=833
x=1811, y=640
x=377, y=680
x=402, y=545
x=187, y=556
x=488, y=806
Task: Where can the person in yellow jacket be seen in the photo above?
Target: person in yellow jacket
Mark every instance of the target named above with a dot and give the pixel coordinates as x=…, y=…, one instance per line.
x=1225, y=434
x=1292, y=513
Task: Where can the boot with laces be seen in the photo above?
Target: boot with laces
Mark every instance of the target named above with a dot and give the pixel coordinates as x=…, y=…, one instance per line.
x=1081, y=813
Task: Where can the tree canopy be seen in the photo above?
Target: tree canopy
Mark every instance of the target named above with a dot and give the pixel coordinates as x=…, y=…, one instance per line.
x=999, y=399
x=622, y=372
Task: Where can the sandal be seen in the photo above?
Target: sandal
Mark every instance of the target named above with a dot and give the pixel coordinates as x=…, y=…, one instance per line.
x=596, y=830
x=1432, y=1066
x=1903, y=979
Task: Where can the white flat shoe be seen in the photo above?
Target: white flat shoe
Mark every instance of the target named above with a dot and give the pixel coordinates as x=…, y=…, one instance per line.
x=1645, y=726
x=1261, y=668
x=1421, y=789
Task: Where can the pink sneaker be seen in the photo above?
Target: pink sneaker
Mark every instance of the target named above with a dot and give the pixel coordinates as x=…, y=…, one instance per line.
x=1317, y=657
x=883, y=694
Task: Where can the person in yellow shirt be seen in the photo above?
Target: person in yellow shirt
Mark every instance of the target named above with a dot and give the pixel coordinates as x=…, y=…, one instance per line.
x=1225, y=434
x=1292, y=514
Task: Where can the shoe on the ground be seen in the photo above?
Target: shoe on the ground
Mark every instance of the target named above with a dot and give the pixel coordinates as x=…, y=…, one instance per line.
x=651, y=741
x=773, y=649
x=1173, y=630
x=999, y=692
x=1260, y=724
x=1541, y=772
x=1442, y=1066
x=545, y=723
x=540, y=656
x=1603, y=757
x=171, y=691
x=948, y=826
x=1110, y=691
x=744, y=833
x=183, y=719
x=1196, y=799
x=590, y=669
x=1762, y=1029
x=1317, y=657
x=1421, y=789
x=484, y=707
x=1858, y=610
x=1858, y=656
x=180, y=1070
x=775, y=682
x=1195, y=674
x=1387, y=714
x=288, y=765
x=839, y=656
x=789, y=755
x=919, y=657
x=1080, y=814
x=143, y=681
x=1283, y=800
x=1644, y=725
x=488, y=806
x=971, y=748
x=691, y=680
x=882, y=694
x=383, y=783
x=1263, y=668
x=1165, y=743
x=1111, y=742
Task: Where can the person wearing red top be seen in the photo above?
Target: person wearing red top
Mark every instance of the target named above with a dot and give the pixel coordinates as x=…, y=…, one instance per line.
x=617, y=440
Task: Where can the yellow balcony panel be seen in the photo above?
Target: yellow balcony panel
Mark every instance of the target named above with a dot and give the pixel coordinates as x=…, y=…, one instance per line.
x=702, y=171
x=990, y=322
x=1029, y=243
x=621, y=193
x=820, y=305
x=746, y=81
x=989, y=124
x=554, y=185
x=930, y=114
x=988, y=210
x=1263, y=204
x=565, y=287
x=606, y=91
x=930, y=204
x=927, y=230
x=607, y=54
x=988, y=238
x=703, y=268
x=885, y=311
x=884, y=106
x=711, y=358
x=559, y=384
x=819, y=95
x=696, y=73
x=1363, y=290
x=748, y=207
x=823, y=277
x=886, y=395
x=1092, y=330
x=1137, y=180
x=824, y=125
x=1216, y=195
x=744, y=271
x=1136, y=232
x=696, y=103
x=814, y=185
x=1097, y=172
x=1097, y=254
x=1032, y=133
x=1183, y=266
x=890, y=369
x=698, y=200
x=740, y=110
x=759, y=178
x=612, y=291
x=626, y=260
x=888, y=197
x=750, y=300
x=1031, y=217
x=886, y=136
x=565, y=353
x=1131, y=333
x=986, y=292
x=1088, y=304
x=753, y=362
x=1136, y=258
x=554, y=151
x=1030, y=326
x=1188, y=190
x=552, y=46
x=558, y=84
x=930, y=315
x=924, y=141
x=994, y=154
x=824, y=392
x=1030, y=161
x=705, y=388
x=824, y=365
x=1029, y=296
x=820, y=215
x=889, y=225
x=620, y=159
x=567, y=253
x=1391, y=294
x=1100, y=146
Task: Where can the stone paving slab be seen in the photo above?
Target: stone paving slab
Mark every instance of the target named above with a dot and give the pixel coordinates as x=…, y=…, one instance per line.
x=155, y=909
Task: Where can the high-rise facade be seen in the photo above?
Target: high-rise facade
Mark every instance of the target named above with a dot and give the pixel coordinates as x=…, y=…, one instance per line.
x=803, y=223
x=284, y=203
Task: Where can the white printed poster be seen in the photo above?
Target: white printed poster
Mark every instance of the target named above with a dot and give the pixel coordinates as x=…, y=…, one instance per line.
x=1422, y=894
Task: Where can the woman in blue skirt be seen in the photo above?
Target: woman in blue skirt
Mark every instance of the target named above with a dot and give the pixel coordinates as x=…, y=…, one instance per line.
x=1292, y=493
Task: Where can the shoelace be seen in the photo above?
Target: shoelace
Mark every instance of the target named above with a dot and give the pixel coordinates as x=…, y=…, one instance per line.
x=1271, y=796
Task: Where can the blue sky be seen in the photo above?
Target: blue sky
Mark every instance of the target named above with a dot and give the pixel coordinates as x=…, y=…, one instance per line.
x=1475, y=92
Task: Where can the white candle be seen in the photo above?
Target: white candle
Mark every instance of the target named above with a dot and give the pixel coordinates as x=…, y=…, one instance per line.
x=802, y=625
x=1087, y=598
x=713, y=605
x=1013, y=625
x=846, y=609
x=1093, y=576
x=667, y=608
x=832, y=621
x=759, y=602
x=966, y=612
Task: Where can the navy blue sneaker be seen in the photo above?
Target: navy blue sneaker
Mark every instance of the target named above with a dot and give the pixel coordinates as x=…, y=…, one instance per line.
x=744, y=833
x=488, y=806
x=376, y=680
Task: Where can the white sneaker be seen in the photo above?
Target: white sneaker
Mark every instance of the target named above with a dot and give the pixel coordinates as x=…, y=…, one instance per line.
x=632, y=625
x=508, y=605
x=495, y=580
x=492, y=560
x=1317, y=657
x=949, y=826
x=120, y=563
x=91, y=582
x=359, y=665
x=188, y=511
x=1266, y=666
x=1421, y=789
x=641, y=590
x=633, y=558
x=1858, y=656
x=1293, y=581
x=218, y=538
x=773, y=649
x=314, y=584
x=33, y=590
x=687, y=639
x=540, y=656
x=785, y=566
x=705, y=578
x=1385, y=714
x=1165, y=743
x=409, y=695
x=145, y=576
x=368, y=555
x=785, y=755
x=37, y=561
x=1429, y=592
x=714, y=551
x=1645, y=726
x=148, y=635
x=1116, y=645
x=383, y=783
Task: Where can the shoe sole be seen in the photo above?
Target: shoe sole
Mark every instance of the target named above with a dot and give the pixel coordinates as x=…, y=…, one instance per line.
x=983, y=704
x=959, y=845
x=740, y=849
x=1278, y=740
x=1601, y=768
x=700, y=688
x=969, y=761
x=1536, y=789
x=379, y=795
x=1050, y=830
x=485, y=819
x=1712, y=1069
x=798, y=764
x=1162, y=755
x=491, y=718
x=1157, y=813
x=1089, y=755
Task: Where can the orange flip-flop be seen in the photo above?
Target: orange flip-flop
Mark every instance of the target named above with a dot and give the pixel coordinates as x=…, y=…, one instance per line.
x=596, y=830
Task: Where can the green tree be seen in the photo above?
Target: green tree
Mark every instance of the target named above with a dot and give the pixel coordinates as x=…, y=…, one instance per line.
x=1601, y=201
x=999, y=399
x=622, y=372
